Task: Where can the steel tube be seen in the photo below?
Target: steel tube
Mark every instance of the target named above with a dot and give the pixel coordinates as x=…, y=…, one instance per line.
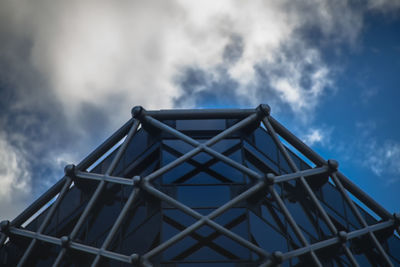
x=46, y=220
x=98, y=190
x=196, y=114
x=101, y=177
x=360, y=218
x=172, y=164
x=133, y=196
x=73, y=245
x=298, y=174
x=318, y=160
x=169, y=129
x=303, y=181
x=293, y=223
x=85, y=163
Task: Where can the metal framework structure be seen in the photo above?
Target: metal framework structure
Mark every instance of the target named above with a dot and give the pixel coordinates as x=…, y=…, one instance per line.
x=297, y=203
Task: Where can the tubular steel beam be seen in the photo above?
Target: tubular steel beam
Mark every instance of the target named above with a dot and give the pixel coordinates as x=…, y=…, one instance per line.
x=318, y=160
x=71, y=244
x=98, y=190
x=46, y=220
x=203, y=220
x=306, y=187
x=293, y=223
x=202, y=147
x=360, y=218
x=304, y=183
x=85, y=163
x=196, y=114
x=133, y=196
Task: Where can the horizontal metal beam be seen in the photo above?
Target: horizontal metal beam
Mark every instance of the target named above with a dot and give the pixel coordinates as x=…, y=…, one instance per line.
x=74, y=245
x=198, y=114
x=303, y=173
x=101, y=177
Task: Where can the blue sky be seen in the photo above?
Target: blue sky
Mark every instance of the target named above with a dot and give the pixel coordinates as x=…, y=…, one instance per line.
x=71, y=71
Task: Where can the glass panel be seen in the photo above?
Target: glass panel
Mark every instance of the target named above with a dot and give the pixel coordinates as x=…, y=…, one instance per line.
x=265, y=236
x=203, y=125
x=394, y=247
x=203, y=196
x=230, y=173
x=265, y=143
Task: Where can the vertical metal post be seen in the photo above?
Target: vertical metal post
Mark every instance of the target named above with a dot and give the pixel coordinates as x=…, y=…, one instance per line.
x=98, y=191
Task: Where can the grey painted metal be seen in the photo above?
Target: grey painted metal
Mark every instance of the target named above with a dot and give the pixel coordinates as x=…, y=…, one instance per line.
x=294, y=168
x=360, y=218
x=318, y=160
x=204, y=147
x=194, y=114
x=98, y=190
x=46, y=220
x=305, y=185
x=3, y=238
x=293, y=223
x=247, y=116
x=72, y=244
x=132, y=197
x=298, y=174
x=101, y=177
x=203, y=220
x=85, y=163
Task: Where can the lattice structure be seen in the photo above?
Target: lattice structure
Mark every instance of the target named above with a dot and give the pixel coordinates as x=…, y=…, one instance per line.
x=197, y=187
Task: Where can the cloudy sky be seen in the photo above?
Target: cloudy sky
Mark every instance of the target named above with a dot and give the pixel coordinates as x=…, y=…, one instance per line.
x=70, y=71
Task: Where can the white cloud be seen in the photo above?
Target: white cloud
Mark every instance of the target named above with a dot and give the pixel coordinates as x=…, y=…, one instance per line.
x=317, y=136
x=384, y=159
x=15, y=179
x=117, y=54
x=91, y=51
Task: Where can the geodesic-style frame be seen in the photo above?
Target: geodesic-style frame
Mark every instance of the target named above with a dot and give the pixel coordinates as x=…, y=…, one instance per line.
x=262, y=182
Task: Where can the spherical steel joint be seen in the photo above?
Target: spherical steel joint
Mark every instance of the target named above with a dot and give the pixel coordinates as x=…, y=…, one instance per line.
x=134, y=258
x=70, y=171
x=333, y=165
x=137, y=112
x=65, y=241
x=342, y=236
x=264, y=110
x=277, y=257
x=269, y=178
x=137, y=180
x=4, y=226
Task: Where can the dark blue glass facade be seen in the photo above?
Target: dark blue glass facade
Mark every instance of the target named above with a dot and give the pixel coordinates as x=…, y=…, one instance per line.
x=202, y=183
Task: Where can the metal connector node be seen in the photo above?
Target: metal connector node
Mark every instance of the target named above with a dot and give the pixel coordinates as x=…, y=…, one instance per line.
x=269, y=178
x=134, y=258
x=342, y=236
x=263, y=110
x=277, y=257
x=65, y=241
x=70, y=171
x=137, y=112
x=136, y=180
x=333, y=165
x=4, y=226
